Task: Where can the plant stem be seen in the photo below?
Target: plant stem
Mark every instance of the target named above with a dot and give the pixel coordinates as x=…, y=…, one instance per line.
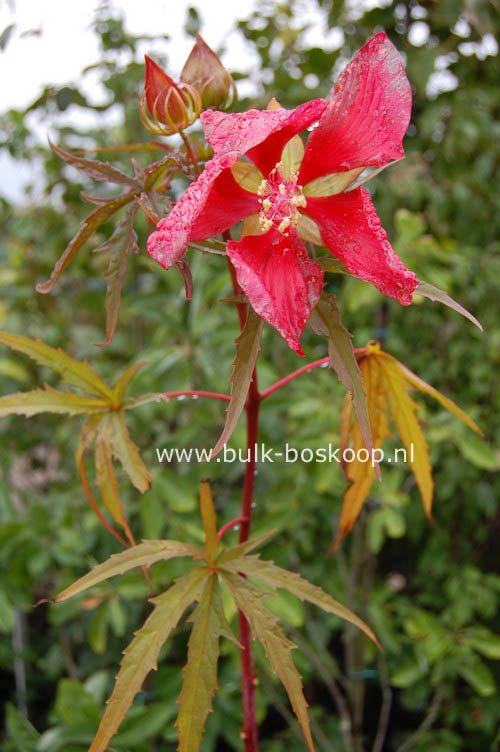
x=230, y=524
x=286, y=379
x=309, y=367
x=197, y=393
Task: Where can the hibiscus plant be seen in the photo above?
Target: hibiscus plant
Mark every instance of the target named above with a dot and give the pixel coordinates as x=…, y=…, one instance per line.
x=281, y=197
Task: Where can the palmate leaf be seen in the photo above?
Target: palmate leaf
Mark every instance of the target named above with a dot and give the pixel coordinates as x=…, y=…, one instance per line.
x=403, y=412
x=414, y=382
x=235, y=552
x=119, y=245
x=100, y=171
x=387, y=382
x=88, y=227
x=209, y=624
x=49, y=400
x=75, y=372
x=126, y=451
x=247, y=350
x=276, y=577
x=124, y=380
x=141, y=656
x=361, y=474
x=142, y=555
x=105, y=424
x=207, y=510
x=106, y=480
x=200, y=673
x=277, y=646
x=326, y=321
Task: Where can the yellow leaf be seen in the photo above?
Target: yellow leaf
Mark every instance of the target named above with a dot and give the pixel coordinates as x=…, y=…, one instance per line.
x=142, y=555
x=277, y=646
x=276, y=577
x=127, y=452
x=50, y=400
x=107, y=482
x=417, y=383
x=404, y=417
x=75, y=372
x=361, y=474
x=209, y=521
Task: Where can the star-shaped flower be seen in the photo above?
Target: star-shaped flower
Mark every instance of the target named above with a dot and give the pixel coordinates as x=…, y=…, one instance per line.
x=287, y=193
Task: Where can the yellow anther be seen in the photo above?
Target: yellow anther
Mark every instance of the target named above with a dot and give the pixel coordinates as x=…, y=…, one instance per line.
x=284, y=224
x=266, y=205
x=282, y=189
x=262, y=189
x=299, y=200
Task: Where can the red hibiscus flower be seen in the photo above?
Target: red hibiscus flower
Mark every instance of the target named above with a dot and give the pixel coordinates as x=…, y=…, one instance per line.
x=287, y=193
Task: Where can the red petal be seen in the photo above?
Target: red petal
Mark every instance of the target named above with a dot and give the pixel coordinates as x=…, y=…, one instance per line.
x=259, y=134
x=209, y=206
x=367, y=115
x=351, y=229
x=157, y=84
x=282, y=285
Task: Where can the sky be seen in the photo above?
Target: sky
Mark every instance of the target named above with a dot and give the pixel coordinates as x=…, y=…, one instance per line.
x=52, y=41
x=66, y=42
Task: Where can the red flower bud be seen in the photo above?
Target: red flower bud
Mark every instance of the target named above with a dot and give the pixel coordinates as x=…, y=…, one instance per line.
x=204, y=70
x=172, y=106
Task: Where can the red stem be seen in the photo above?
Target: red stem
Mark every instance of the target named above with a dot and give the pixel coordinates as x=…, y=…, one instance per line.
x=248, y=681
x=196, y=393
x=230, y=524
x=249, y=732
x=291, y=376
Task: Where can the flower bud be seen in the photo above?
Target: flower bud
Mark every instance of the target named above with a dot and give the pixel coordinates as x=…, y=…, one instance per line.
x=204, y=70
x=172, y=106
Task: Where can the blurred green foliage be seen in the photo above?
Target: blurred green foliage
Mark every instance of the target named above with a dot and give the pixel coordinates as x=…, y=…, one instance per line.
x=430, y=592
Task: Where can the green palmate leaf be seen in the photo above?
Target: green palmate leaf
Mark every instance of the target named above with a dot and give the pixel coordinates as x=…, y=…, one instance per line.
x=49, y=400
x=343, y=360
x=247, y=349
x=241, y=549
x=200, y=673
x=277, y=646
x=123, y=382
x=209, y=521
x=88, y=227
x=126, y=451
x=72, y=371
x=141, y=656
x=143, y=555
x=107, y=481
x=120, y=244
x=95, y=169
x=276, y=577
x=434, y=293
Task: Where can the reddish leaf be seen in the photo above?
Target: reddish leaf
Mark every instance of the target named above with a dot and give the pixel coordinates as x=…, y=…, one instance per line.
x=95, y=169
x=87, y=229
x=247, y=350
